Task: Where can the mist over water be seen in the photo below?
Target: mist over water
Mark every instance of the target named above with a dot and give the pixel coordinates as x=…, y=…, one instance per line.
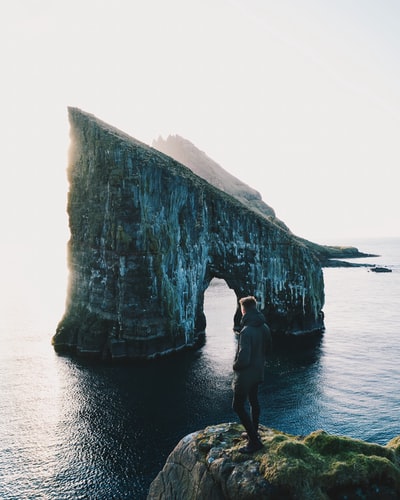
x=77, y=429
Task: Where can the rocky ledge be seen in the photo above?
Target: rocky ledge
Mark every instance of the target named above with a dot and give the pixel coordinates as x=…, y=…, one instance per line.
x=208, y=464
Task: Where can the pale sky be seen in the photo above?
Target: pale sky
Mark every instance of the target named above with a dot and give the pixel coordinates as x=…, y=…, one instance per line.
x=298, y=98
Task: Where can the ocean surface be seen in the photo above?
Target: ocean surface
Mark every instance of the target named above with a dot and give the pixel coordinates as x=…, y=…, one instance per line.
x=73, y=429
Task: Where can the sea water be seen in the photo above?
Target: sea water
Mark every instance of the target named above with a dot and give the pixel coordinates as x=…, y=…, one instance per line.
x=78, y=429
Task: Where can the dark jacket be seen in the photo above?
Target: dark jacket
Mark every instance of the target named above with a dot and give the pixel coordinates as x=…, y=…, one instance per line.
x=253, y=345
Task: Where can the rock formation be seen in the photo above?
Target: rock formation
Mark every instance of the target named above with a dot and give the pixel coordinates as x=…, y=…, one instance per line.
x=207, y=464
x=202, y=165
x=381, y=269
x=148, y=236
x=188, y=154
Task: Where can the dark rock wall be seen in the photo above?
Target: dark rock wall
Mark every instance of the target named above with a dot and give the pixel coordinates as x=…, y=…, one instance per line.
x=148, y=236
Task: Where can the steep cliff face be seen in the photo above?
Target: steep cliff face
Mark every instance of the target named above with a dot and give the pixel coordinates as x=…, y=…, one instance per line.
x=188, y=154
x=148, y=236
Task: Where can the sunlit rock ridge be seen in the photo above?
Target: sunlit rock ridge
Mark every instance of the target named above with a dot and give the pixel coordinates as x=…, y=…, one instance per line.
x=147, y=238
x=188, y=154
x=200, y=163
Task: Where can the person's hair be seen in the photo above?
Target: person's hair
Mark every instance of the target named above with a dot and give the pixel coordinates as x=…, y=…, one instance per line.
x=249, y=302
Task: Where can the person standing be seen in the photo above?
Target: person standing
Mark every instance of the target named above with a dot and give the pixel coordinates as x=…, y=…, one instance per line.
x=248, y=370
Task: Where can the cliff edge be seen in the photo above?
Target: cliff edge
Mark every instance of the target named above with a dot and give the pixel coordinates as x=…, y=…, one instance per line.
x=320, y=466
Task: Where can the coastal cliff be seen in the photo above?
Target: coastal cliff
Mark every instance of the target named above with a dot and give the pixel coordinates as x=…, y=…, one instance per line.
x=320, y=466
x=147, y=238
x=201, y=164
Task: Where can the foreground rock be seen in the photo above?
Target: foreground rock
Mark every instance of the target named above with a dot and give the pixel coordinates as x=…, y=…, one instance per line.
x=208, y=465
x=147, y=238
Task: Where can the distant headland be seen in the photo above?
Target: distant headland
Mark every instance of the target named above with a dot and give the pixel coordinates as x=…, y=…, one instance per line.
x=188, y=154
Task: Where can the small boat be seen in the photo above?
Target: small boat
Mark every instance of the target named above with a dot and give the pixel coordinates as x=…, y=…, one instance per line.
x=378, y=269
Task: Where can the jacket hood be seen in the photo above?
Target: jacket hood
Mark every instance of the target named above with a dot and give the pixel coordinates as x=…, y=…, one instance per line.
x=253, y=318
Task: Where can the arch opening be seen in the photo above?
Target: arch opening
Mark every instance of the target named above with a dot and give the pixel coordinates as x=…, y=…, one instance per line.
x=220, y=304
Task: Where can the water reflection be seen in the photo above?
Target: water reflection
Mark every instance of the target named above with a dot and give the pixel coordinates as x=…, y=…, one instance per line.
x=82, y=429
x=111, y=427
x=294, y=382
x=74, y=429
x=119, y=427
x=120, y=422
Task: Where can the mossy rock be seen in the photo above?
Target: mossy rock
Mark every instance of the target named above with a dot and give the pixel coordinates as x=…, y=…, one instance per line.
x=319, y=466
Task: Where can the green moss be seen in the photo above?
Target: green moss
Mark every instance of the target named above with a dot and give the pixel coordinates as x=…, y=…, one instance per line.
x=123, y=239
x=313, y=466
x=116, y=175
x=358, y=469
x=330, y=461
x=394, y=445
x=289, y=461
x=169, y=298
x=151, y=241
x=328, y=444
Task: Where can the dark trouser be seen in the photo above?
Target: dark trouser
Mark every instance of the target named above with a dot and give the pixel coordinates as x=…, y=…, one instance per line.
x=238, y=406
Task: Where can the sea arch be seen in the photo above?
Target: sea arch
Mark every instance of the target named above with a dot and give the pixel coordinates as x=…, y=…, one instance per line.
x=147, y=238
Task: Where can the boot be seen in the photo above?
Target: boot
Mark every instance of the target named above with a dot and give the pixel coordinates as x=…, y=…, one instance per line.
x=251, y=447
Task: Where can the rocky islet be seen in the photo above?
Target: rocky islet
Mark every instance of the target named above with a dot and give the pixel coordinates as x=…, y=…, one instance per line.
x=148, y=236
